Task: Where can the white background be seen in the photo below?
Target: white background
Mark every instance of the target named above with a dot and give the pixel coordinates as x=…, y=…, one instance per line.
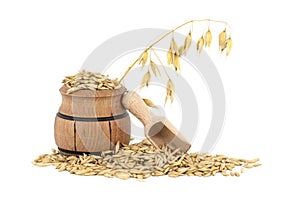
x=41, y=41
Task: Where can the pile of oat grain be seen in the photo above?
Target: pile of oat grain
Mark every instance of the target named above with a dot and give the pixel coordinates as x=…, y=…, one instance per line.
x=142, y=160
x=85, y=80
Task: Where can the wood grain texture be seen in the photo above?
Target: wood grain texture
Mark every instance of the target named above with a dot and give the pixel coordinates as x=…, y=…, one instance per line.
x=135, y=104
x=158, y=130
x=120, y=131
x=87, y=103
x=91, y=136
x=162, y=132
x=64, y=134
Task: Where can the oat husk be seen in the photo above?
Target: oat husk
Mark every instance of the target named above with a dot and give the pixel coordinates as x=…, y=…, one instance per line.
x=86, y=80
x=142, y=160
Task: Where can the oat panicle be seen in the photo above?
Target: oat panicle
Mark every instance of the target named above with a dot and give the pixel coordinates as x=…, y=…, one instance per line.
x=176, y=51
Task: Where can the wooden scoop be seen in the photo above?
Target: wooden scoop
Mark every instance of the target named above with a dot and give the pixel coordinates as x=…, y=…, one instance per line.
x=158, y=130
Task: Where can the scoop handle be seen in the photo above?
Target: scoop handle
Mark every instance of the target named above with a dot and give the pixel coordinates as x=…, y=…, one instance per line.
x=135, y=104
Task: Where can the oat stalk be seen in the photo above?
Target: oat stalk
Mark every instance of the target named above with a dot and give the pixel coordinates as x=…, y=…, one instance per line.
x=175, y=52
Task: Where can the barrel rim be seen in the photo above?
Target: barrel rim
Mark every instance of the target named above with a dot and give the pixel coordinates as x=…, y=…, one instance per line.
x=85, y=93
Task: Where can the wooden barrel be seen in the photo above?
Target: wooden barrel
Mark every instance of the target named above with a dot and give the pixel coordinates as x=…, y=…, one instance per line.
x=91, y=121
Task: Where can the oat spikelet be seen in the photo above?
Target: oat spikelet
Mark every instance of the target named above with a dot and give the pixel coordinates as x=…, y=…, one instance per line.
x=208, y=38
x=145, y=80
x=187, y=43
x=223, y=46
x=170, y=57
x=177, y=63
x=144, y=58
x=200, y=44
x=170, y=91
x=174, y=46
x=154, y=68
x=229, y=46
x=181, y=50
x=149, y=103
x=222, y=40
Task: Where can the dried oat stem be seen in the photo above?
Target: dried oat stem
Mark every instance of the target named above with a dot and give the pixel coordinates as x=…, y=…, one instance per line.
x=159, y=60
x=164, y=36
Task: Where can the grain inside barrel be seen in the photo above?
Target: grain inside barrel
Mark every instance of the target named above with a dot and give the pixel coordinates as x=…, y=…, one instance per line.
x=91, y=121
